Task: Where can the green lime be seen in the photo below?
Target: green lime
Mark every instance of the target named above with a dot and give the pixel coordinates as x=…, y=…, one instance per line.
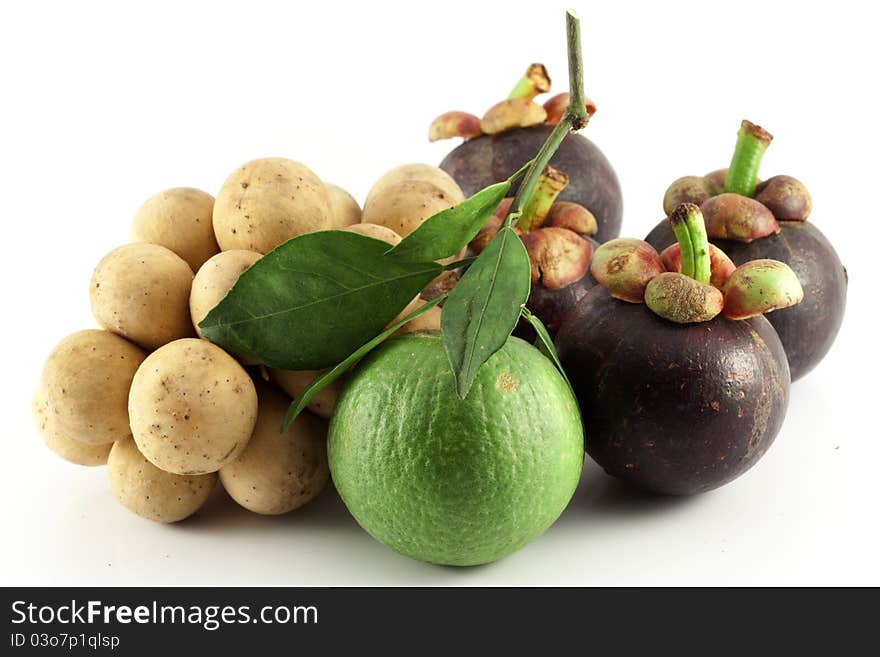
x=452, y=481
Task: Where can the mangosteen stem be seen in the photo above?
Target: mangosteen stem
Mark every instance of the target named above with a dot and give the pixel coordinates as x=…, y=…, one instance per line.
x=534, y=82
x=574, y=119
x=550, y=184
x=751, y=142
x=690, y=230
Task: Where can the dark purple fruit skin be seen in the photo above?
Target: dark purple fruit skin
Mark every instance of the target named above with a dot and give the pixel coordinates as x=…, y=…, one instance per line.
x=662, y=236
x=553, y=306
x=480, y=162
x=808, y=329
x=669, y=408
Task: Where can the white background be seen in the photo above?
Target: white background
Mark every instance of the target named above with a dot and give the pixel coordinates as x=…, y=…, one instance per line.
x=105, y=104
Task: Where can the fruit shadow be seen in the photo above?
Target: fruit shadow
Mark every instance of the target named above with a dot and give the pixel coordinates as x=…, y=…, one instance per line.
x=600, y=502
x=222, y=513
x=325, y=517
x=600, y=496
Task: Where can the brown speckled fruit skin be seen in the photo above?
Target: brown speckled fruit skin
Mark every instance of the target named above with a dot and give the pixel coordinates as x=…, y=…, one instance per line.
x=808, y=329
x=673, y=409
x=489, y=159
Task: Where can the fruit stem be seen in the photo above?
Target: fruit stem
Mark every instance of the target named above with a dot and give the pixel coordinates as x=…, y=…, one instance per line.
x=690, y=231
x=550, y=184
x=751, y=142
x=577, y=109
x=534, y=82
x=575, y=118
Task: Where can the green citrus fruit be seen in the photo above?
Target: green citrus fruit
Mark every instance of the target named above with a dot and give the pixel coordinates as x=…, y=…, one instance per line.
x=452, y=481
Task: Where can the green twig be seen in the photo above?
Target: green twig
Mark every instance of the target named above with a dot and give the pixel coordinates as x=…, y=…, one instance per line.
x=464, y=262
x=323, y=380
x=574, y=119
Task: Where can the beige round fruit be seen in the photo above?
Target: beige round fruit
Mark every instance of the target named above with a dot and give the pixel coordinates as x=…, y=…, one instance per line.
x=424, y=172
x=67, y=448
x=293, y=382
x=85, y=381
x=427, y=321
x=279, y=473
x=346, y=210
x=141, y=291
x=403, y=206
x=215, y=279
x=151, y=493
x=192, y=407
x=178, y=219
x=266, y=202
x=377, y=232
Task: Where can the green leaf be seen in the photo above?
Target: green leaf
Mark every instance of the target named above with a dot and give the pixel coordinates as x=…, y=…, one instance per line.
x=484, y=307
x=320, y=382
x=544, y=342
x=448, y=232
x=313, y=300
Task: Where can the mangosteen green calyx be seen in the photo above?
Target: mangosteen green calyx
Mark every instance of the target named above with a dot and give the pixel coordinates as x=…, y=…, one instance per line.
x=749, y=219
x=682, y=382
x=558, y=236
x=512, y=131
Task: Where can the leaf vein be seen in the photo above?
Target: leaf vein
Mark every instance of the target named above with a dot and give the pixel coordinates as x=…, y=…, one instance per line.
x=346, y=292
x=469, y=354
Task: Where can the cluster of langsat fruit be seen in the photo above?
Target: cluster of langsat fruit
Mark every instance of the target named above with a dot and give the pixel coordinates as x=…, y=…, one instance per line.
x=170, y=413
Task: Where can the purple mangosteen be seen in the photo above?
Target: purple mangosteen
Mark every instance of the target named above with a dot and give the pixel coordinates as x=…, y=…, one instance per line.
x=510, y=134
x=682, y=383
x=748, y=220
